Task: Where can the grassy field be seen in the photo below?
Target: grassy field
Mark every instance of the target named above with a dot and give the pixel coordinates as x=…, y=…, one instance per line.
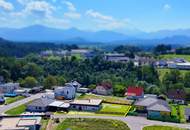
x=161, y=128
x=114, y=109
x=13, y=99
x=106, y=99
x=17, y=110
x=91, y=124
x=170, y=56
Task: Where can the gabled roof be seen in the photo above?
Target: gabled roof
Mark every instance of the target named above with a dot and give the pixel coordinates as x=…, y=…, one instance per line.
x=146, y=101
x=134, y=91
x=41, y=102
x=105, y=85
x=160, y=105
x=176, y=94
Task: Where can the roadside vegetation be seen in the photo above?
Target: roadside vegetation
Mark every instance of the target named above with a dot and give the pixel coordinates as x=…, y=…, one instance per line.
x=161, y=128
x=91, y=124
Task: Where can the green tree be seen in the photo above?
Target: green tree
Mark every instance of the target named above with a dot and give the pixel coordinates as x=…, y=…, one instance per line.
x=187, y=80
x=61, y=80
x=49, y=82
x=32, y=69
x=29, y=82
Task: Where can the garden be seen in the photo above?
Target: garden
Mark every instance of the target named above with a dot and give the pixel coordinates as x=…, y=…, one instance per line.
x=161, y=128
x=91, y=124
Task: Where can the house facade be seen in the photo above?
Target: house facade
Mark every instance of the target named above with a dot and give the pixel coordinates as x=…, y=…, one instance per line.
x=86, y=105
x=177, y=95
x=67, y=92
x=104, y=89
x=153, y=107
x=134, y=92
x=9, y=88
x=116, y=57
x=187, y=114
x=39, y=105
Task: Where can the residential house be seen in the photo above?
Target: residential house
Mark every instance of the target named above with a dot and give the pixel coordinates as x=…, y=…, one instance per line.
x=75, y=84
x=187, y=114
x=58, y=106
x=36, y=89
x=22, y=91
x=46, y=53
x=161, y=64
x=9, y=88
x=86, y=105
x=104, y=89
x=177, y=95
x=116, y=57
x=141, y=61
x=2, y=99
x=143, y=103
x=66, y=92
x=154, y=107
x=158, y=109
x=20, y=123
x=39, y=105
x=134, y=92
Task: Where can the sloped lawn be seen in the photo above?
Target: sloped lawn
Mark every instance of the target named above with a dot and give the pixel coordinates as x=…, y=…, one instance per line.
x=91, y=124
x=13, y=99
x=114, y=109
x=16, y=111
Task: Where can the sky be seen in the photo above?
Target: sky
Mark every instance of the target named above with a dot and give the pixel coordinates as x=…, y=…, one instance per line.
x=120, y=15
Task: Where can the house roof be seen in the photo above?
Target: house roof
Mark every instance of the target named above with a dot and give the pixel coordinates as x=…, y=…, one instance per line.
x=187, y=111
x=160, y=105
x=146, y=101
x=176, y=94
x=41, y=102
x=90, y=102
x=134, y=91
x=59, y=104
x=105, y=85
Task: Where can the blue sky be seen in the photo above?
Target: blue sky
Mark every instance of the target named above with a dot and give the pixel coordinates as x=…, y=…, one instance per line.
x=121, y=15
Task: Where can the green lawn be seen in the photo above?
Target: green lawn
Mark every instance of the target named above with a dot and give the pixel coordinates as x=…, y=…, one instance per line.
x=161, y=128
x=170, y=56
x=17, y=110
x=106, y=99
x=91, y=124
x=114, y=109
x=13, y=99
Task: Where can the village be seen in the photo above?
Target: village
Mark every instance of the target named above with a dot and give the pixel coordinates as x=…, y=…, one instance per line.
x=74, y=99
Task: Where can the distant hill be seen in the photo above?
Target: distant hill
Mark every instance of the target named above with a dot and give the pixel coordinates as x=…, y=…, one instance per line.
x=39, y=33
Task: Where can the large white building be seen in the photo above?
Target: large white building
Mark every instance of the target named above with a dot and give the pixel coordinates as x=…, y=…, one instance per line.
x=65, y=92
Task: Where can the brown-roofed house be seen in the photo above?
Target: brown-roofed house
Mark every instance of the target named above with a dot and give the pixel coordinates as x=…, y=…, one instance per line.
x=177, y=95
x=104, y=89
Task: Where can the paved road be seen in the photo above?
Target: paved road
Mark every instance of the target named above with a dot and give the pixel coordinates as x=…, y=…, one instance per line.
x=18, y=103
x=135, y=123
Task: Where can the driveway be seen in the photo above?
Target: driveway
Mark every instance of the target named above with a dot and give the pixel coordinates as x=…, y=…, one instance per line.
x=4, y=108
x=135, y=123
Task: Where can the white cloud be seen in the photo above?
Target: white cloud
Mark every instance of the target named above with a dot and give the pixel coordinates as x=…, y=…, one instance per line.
x=167, y=7
x=70, y=6
x=72, y=15
x=105, y=21
x=98, y=15
x=6, y=5
x=72, y=11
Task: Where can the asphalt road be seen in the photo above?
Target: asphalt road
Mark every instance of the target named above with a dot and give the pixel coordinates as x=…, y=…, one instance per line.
x=4, y=108
x=135, y=123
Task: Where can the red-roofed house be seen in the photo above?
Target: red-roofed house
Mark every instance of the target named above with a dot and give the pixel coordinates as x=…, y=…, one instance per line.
x=104, y=89
x=134, y=92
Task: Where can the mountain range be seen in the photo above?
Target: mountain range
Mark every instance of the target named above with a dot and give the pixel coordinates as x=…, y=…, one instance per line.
x=73, y=35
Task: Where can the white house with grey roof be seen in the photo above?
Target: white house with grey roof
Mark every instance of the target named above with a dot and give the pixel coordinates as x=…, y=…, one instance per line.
x=86, y=105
